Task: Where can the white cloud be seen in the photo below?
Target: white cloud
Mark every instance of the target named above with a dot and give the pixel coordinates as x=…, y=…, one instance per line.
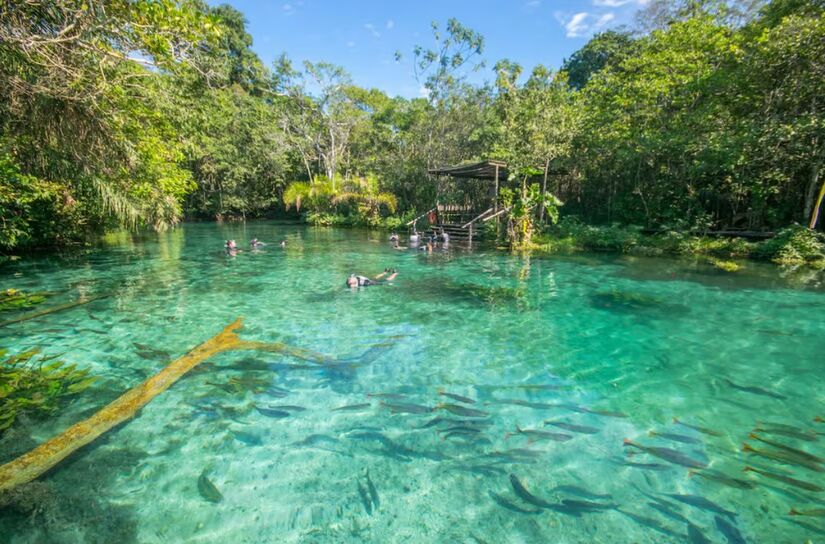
x=390, y=24
x=582, y=24
x=372, y=29
x=423, y=92
x=603, y=20
x=576, y=26
x=532, y=4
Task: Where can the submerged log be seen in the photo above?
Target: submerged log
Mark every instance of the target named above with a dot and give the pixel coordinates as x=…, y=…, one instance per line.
x=31, y=465
x=53, y=309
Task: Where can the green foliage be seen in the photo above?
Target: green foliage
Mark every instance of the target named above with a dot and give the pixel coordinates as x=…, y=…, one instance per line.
x=354, y=201
x=36, y=385
x=605, y=50
x=794, y=245
x=14, y=299
x=145, y=112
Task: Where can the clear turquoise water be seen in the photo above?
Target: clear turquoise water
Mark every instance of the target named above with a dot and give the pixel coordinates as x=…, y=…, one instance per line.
x=647, y=338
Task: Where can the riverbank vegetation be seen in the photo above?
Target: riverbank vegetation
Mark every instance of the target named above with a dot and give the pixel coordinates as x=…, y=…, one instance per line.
x=708, y=115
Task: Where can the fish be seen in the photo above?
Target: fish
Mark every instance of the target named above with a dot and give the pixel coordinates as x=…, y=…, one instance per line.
x=407, y=408
x=729, y=530
x=208, y=490
x=722, y=479
x=651, y=524
x=819, y=419
x=579, y=492
x=587, y=505
x=799, y=453
x=605, y=413
x=485, y=470
x=276, y=414
x=352, y=407
x=461, y=429
x=668, y=454
x=525, y=495
x=702, y=503
x=582, y=429
x=467, y=437
x=433, y=422
x=695, y=535
x=703, y=430
x=586, y=410
x=783, y=457
x=462, y=411
x=501, y=501
x=365, y=500
x=275, y=391
x=816, y=512
x=647, y=466
x=801, y=484
x=376, y=502
x=676, y=437
x=519, y=402
x=459, y=398
x=536, y=434
x=287, y=408
x=315, y=439
x=785, y=430
x=247, y=438
x=663, y=507
x=523, y=453
x=754, y=390
x=541, y=386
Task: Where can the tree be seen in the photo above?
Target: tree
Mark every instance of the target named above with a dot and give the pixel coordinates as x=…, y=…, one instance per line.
x=605, y=50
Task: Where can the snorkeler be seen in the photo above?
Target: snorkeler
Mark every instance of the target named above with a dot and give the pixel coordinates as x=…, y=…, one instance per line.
x=355, y=280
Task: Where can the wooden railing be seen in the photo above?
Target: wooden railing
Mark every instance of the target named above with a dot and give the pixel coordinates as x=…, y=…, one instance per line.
x=477, y=218
x=414, y=221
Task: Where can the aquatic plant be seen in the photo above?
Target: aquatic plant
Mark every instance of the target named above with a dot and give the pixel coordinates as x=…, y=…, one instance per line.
x=14, y=299
x=36, y=385
x=726, y=266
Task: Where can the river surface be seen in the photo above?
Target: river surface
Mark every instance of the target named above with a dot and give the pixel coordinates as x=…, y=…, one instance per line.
x=604, y=348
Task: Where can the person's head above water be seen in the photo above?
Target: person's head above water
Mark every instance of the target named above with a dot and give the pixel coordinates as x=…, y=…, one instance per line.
x=352, y=281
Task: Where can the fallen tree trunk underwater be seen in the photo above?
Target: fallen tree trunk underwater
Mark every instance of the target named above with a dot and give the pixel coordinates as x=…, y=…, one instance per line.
x=33, y=464
x=53, y=309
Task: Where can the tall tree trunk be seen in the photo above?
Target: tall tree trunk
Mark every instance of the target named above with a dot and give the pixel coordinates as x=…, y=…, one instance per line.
x=544, y=188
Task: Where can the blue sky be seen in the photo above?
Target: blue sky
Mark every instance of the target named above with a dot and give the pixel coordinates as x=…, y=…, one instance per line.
x=363, y=35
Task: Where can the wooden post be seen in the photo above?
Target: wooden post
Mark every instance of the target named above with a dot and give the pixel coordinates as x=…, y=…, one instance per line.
x=495, y=204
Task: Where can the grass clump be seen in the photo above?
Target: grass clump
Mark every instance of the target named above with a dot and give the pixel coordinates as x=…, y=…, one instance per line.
x=36, y=385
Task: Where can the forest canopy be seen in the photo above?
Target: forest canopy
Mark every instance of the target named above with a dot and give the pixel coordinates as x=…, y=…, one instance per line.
x=140, y=113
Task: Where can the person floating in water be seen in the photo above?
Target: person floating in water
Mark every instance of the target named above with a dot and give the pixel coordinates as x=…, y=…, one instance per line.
x=283, y=243
x=256, y=243
x=394, y=237
x=230, y=244
x=383, y=278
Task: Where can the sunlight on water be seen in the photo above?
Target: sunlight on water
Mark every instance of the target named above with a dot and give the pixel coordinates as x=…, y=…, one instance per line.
x=564, y=357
